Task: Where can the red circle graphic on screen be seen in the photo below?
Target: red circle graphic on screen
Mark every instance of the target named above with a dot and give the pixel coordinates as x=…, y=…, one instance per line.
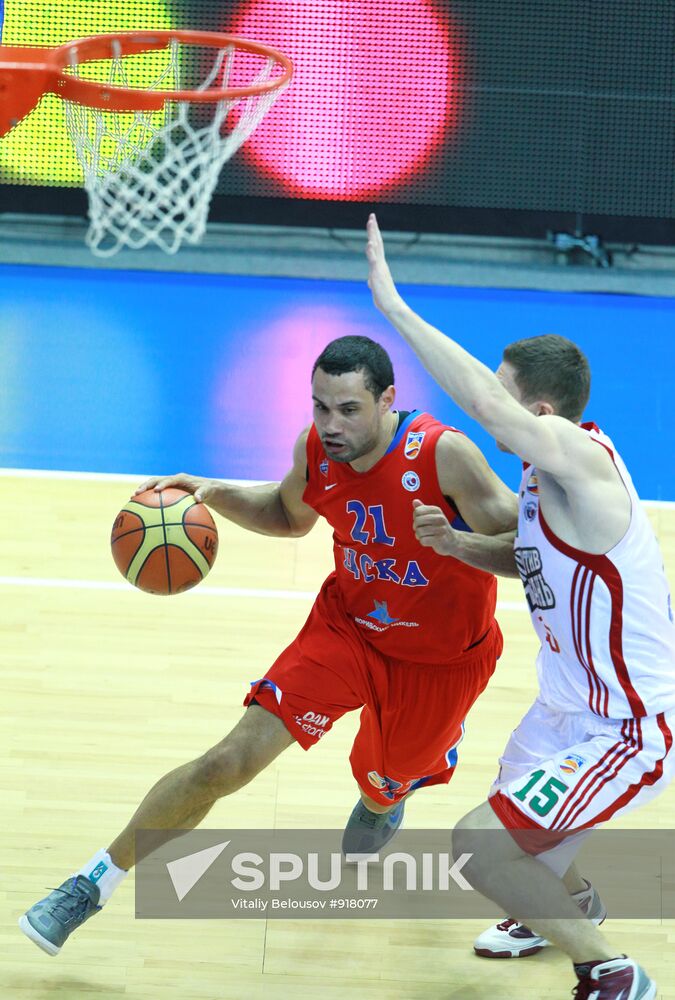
x=374, y=96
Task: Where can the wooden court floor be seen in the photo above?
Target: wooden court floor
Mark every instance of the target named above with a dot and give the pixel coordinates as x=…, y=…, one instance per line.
x=104, y=690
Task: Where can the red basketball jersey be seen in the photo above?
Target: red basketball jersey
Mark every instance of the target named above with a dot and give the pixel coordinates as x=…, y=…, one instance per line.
x=408, y=601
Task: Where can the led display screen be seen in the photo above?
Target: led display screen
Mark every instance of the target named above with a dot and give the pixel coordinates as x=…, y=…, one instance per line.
x=562, y=106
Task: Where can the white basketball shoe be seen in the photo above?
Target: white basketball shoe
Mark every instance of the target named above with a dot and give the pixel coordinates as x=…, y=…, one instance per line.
x=511, y=939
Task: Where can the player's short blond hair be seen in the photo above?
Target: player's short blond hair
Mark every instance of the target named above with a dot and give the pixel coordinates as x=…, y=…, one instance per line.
x=553, y=369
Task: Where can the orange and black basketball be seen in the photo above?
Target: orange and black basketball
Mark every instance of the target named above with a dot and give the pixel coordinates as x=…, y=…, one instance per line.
x=164, y=542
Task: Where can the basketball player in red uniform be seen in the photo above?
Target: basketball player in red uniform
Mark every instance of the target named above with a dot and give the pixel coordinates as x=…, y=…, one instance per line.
x=598, y=741
x=402, y=633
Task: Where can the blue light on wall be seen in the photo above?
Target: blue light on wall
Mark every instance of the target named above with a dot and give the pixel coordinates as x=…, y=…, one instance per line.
x=146, y=372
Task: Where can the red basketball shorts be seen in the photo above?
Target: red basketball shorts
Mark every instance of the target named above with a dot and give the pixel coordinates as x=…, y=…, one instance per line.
x=412, y=713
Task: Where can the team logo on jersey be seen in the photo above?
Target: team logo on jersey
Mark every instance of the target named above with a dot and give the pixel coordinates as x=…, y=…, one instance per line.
x=411, y=481
x=532, y=484
x=375, y=780
x=572, y=763
x=413, y=444
x=530, y=511
x=323, y=468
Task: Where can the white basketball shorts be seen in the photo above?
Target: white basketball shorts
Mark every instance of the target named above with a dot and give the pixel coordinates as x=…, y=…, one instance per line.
x=565, y=772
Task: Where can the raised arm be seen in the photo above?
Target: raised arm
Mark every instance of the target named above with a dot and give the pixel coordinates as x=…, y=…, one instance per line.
x=272, y=509
x=552, y=443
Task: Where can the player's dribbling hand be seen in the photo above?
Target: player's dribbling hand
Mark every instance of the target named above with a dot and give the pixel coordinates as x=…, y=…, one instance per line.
x=191, y=484
x=380, y=281
x=432, y=528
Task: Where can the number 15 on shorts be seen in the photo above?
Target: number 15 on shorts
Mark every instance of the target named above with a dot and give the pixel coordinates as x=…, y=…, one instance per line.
x=541, y=796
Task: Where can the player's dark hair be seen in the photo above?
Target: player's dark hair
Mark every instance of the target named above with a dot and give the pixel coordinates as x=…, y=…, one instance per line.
x=356, y=354
x=553, y=369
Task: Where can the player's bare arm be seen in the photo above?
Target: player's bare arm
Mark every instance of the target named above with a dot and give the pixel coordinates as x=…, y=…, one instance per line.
x=552, y=444
x=491, y=553
x=271, y=509
x=484, y=502
x=555, y=445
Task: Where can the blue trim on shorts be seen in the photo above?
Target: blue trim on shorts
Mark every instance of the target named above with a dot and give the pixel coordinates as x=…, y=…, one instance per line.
x=265, y=682
x=451, y=760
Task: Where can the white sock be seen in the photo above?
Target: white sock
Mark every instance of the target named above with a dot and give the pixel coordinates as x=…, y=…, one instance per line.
x=104, y=873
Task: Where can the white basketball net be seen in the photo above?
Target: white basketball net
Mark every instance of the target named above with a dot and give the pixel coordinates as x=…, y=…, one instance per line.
x=150, y=175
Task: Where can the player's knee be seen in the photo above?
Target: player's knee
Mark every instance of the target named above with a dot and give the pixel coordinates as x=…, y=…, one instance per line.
x=225, y=768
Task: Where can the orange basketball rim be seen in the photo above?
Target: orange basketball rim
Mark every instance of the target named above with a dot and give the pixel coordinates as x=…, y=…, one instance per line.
x=26, y=73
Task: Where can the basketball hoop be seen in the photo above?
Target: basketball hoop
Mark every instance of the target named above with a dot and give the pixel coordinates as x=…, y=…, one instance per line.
x=153, y=116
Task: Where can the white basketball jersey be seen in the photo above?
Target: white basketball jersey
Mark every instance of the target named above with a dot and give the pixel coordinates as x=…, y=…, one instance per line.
x=605, y=621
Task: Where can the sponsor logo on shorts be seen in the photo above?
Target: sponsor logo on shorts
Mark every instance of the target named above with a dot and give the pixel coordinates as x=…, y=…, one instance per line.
x=313, y=723
x=388, y=786
x=532, y=484
x=571, y=763
x=411, y=481
x=413, y=444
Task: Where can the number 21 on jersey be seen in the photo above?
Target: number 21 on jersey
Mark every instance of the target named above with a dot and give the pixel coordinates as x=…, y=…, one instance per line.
x=362, y=515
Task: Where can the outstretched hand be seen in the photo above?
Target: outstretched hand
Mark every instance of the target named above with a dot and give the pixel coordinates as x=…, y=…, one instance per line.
x=181, y=481
x=433, y=529
x=380, y=281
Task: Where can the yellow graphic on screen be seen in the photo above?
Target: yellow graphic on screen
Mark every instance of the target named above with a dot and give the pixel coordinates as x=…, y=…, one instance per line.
x=38, y=150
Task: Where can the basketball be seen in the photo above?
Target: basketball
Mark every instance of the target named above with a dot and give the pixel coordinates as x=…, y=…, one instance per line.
x=164, y=542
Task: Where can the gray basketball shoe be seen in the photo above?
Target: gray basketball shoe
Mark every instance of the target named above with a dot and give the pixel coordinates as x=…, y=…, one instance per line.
x=49, y=922
x=367, y=832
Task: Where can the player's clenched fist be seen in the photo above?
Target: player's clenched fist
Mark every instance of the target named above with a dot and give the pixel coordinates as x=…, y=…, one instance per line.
x=432, y=528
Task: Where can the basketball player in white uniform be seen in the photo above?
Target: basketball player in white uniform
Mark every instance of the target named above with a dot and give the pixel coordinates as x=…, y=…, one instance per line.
x=598, y=740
